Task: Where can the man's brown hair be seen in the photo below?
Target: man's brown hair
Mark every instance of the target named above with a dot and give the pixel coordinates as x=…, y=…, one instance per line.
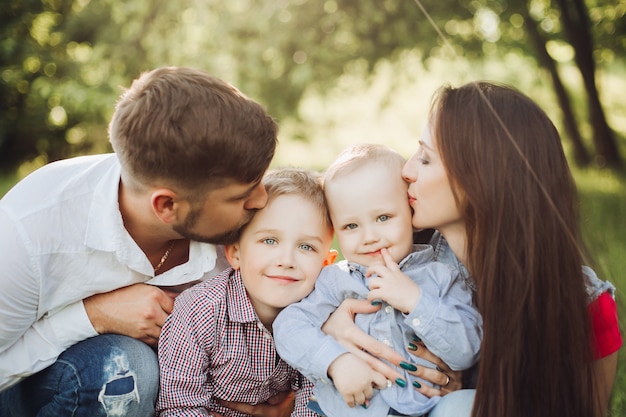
x=190, y=129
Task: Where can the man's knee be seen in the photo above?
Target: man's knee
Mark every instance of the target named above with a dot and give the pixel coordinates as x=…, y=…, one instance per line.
x=130, y=378
x=110, y=375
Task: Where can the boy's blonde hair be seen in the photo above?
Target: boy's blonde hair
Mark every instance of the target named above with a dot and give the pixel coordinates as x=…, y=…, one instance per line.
x=300, y=182
x=356, y=156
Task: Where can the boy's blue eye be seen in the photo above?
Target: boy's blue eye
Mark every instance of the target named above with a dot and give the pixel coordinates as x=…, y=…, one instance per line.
x=270, y=241
x=307, y=247
x=350, y=226
x=383, y=218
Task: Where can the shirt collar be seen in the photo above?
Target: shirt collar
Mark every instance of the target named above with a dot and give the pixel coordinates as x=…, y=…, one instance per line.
x=443, y=253
x=240, y=308
x=106, y=232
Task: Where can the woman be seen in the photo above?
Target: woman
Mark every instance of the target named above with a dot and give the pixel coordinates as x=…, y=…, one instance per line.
x=491, y=177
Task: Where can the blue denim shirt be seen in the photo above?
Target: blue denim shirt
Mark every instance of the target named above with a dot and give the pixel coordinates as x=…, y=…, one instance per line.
x=444, y=318
x=443, y=253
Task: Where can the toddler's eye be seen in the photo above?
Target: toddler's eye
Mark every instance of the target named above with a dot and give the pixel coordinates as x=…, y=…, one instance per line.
x=350, y=226
x=270, y=241
x=383, y=218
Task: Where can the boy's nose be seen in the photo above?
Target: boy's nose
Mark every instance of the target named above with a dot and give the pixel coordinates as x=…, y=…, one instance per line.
x=286, y=258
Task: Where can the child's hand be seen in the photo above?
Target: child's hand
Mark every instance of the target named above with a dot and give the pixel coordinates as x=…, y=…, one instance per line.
x=392, y=285
x=354, y=379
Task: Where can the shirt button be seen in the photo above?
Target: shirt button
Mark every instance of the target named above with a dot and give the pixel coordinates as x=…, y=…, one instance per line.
x=388, y=309
x=416, y=322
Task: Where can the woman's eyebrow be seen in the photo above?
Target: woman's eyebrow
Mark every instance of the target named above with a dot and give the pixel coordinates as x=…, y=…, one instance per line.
x=425, y=145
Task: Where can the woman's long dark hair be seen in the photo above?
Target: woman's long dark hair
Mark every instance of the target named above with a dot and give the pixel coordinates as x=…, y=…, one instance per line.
x=520, y=206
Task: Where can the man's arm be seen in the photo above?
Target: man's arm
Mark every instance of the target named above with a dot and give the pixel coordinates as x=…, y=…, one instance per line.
x=29, y=343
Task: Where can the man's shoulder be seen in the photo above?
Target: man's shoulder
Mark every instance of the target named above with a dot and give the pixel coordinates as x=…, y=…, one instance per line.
x=61, y=179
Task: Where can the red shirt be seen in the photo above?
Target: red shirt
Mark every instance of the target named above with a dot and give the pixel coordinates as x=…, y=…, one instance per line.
x=605, y=328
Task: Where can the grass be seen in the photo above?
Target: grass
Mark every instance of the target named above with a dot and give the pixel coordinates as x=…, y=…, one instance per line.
x=603, y=209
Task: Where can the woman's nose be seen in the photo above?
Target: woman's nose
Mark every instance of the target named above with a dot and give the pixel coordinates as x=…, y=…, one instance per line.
x=409, y=173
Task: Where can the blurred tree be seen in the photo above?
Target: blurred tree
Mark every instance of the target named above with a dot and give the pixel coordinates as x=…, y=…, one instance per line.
x=352, y=34
x=62, y=62
x=577, y=31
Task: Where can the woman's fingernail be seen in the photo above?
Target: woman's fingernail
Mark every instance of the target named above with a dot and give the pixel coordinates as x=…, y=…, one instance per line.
x=401, y=382
x=417, y=384
x=416, y=339
x=408, y=366
x=376, y=303
x=364, y=406
x=412, y=346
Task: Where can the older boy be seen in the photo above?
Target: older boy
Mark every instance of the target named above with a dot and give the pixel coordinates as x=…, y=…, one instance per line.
x=367, y=201
x=217, y=344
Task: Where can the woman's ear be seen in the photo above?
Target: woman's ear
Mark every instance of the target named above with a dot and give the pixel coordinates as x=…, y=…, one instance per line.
x=232, y=255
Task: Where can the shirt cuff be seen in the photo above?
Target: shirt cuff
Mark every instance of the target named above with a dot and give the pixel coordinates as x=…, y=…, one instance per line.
x=71, y=325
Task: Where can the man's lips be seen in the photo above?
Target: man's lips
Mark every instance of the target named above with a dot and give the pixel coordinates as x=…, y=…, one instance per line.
x=411, y=199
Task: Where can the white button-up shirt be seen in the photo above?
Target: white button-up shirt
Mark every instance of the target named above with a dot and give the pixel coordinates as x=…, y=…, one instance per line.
x=62, y=239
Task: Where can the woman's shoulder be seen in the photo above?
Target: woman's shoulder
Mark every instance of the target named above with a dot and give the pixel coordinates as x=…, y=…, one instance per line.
x=595, y=286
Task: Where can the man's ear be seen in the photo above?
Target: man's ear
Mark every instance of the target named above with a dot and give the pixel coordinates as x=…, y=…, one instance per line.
x=330, y=257
x=232, y=255
x=166, y=204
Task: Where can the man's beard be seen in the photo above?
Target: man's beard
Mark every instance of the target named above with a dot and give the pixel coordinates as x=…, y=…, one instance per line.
x=225, y=238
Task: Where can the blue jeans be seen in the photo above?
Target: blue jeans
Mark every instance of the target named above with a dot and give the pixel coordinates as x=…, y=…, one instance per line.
x=105, y=376
x=455, y=404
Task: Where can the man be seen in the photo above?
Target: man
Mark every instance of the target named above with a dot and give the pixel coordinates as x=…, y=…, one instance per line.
x=94, y=248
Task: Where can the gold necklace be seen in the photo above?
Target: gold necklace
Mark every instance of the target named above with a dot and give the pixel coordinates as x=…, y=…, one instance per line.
x=165, y=256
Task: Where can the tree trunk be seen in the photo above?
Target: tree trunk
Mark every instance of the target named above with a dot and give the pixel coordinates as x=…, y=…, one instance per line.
x=581, y=156
x=576, y=28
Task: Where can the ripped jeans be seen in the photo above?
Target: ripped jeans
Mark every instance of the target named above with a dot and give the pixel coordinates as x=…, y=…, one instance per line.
x=105, y=376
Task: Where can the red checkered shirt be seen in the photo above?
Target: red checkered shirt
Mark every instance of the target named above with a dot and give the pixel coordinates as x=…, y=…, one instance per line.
x=213, y=346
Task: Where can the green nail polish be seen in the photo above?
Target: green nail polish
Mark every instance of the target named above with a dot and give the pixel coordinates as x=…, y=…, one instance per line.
x=408, y=366
x=412, y=346
x=401, y=382
x=376, y=303
x=417, y=384
x=416, y=339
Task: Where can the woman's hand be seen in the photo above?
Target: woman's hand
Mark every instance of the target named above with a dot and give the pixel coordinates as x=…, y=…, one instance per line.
x=443, y=376
x=340, y=325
